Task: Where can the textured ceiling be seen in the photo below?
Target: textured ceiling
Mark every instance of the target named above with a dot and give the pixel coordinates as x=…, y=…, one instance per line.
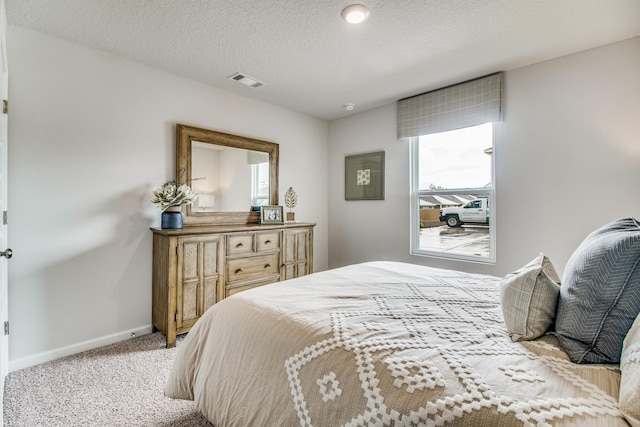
x=312, y=62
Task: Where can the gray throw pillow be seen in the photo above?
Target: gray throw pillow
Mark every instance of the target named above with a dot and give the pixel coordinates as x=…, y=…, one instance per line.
x=528, y=298
x=600, y=294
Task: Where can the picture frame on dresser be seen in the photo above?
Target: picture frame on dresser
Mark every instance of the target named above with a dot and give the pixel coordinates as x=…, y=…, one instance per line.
x=271, y=215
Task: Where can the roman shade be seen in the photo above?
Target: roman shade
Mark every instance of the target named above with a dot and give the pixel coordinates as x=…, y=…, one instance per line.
x=257, y=157
x=462, y=105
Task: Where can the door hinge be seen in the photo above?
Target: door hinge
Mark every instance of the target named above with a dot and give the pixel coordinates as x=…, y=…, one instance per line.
x=5, y=106
x=6, y=327
x=4, y=217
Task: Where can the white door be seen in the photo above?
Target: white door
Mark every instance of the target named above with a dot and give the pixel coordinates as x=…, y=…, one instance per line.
x=4, y=339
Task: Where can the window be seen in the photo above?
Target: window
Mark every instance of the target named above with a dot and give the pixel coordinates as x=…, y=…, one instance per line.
x=260, y=184
x=452, y=194
x=451, y=135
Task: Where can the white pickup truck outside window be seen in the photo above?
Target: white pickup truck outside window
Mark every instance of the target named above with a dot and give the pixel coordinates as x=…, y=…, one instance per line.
x=452, y=195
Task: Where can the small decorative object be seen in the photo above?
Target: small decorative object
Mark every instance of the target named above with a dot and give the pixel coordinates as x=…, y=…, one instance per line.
x=170, y=198
x=290, y=201
x=172, y=218
x=364, y=176
x=271, y=215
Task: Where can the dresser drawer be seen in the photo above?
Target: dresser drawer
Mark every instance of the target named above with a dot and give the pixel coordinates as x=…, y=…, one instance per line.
x=239, y=244
x=231, y=290
x=267, y=242
x=252, y=268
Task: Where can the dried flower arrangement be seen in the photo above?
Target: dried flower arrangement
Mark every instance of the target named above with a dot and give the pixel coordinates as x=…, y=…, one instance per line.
x=173, y=194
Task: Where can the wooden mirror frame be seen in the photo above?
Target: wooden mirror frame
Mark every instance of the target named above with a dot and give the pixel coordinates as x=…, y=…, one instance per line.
x=185, y=135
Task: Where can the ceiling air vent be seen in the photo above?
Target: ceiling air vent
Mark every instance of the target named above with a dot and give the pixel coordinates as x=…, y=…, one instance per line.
x=245, y=80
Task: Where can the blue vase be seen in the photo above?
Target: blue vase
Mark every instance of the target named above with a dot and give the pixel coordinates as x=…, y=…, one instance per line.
x=171, y=219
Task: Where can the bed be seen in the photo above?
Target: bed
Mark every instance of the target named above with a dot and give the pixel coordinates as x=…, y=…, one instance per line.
x=383, y=343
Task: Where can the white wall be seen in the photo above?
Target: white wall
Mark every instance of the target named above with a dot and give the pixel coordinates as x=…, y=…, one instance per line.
x=567, y=161
x=91, y=134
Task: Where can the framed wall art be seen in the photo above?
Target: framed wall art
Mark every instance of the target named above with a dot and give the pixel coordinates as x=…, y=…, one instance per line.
x=364, y=176
x=271, y=215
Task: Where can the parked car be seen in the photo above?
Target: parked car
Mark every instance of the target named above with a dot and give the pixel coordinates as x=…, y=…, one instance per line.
x=475, y=211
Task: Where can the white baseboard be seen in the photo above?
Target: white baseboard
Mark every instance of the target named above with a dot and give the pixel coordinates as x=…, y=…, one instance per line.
x=36, y=359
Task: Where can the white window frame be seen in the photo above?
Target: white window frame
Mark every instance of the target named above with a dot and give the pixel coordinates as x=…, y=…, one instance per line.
x=258, y=198
x=414, y=209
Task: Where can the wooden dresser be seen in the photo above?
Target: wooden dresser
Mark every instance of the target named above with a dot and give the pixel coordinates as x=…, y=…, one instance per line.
x=199, y=265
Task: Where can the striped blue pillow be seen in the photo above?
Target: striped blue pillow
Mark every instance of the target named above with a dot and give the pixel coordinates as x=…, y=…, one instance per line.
x=600, y=293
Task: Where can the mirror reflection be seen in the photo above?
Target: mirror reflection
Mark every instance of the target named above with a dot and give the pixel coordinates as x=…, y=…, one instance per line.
x=231, y=173
x=228, y=178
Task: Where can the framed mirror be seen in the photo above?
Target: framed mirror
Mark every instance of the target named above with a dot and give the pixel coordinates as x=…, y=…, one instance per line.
x=231, y=173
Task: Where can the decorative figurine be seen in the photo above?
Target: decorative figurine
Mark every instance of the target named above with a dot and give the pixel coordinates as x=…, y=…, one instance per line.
x=290, y=201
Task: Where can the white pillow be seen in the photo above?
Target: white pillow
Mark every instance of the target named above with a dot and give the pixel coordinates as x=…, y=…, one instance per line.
x=630, y=379
x=529, y=297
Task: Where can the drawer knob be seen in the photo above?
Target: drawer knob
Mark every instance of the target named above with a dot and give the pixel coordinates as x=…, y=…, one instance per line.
x=267, y=242
x=268, y=265
x=240, y=270
x=239, y=245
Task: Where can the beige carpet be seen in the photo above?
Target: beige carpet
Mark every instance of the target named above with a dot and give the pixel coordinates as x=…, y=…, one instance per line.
x=117, y=385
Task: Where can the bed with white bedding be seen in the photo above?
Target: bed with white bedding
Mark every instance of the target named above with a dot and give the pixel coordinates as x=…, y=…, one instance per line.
x=383, y=343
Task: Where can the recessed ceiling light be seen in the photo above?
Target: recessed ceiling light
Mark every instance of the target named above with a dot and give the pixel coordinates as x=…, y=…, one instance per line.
x=349, y=107
x=355, y=14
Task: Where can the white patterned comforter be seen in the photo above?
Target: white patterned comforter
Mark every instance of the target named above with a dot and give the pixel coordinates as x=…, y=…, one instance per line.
x=382, y=343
